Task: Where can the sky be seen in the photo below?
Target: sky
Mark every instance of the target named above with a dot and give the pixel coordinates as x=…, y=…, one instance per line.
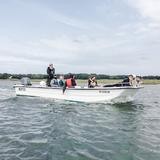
x=80, y=36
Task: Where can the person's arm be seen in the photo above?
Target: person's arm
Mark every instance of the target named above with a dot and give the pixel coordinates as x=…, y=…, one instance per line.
x=48, y=71
x=53, y=71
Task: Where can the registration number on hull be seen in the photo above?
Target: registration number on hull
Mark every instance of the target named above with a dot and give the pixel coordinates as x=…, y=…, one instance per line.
x=101, y=91
x=22, y=89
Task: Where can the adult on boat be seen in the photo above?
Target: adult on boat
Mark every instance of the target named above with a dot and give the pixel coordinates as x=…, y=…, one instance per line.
x=50, y=74
x=139, y=80
x=61, y=81
x=26, y=81
x=92, y=82
x=129, y=81
x=54, y=82
x=71, y=81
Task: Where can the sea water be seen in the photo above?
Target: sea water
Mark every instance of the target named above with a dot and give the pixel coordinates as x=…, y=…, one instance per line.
x=46, y=129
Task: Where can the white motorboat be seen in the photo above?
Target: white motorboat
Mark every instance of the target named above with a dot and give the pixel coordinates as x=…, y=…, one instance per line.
x=80, y=94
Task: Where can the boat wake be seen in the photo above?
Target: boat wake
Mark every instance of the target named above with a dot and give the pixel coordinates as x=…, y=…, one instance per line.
x=122, y=100
x=6, y=95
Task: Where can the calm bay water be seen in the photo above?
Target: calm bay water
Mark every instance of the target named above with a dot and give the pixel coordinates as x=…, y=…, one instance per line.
x=44, y=129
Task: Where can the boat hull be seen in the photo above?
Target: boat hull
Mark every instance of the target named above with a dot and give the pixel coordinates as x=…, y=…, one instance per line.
x=79, y=94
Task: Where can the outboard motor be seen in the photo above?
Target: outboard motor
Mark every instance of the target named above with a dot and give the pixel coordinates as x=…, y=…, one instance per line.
x=26, y=81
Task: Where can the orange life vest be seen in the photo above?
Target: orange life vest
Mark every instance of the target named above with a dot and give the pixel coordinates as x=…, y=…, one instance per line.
x=69, y=83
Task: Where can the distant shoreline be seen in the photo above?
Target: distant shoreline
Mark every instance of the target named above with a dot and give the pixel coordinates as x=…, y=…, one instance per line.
x=100, y=81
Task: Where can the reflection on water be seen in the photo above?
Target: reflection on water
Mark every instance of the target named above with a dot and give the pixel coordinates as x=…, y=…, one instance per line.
x=45, y=129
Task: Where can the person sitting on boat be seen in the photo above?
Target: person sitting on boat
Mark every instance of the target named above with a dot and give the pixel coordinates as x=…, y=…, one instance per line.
x=129, y=80
x=61, y=81
x=139, y=80
x=26, y=81
x=54, y=82
x=71, y=82
x=92, y=82
x=50, y=74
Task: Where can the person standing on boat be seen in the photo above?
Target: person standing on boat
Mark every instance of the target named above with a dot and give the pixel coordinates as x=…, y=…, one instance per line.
x=50, y=73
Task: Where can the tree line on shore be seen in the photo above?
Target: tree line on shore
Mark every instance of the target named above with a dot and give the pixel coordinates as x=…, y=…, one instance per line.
x=78, y=76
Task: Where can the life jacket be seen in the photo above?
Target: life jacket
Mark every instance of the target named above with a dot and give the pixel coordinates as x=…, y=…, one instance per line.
x=69, y=83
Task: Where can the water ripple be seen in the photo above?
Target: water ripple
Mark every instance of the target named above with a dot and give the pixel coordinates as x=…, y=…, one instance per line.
x=45, y=129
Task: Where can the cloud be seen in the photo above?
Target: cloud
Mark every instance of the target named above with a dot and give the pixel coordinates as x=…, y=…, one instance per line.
x=110, y=40
x=46, y=12
x=147, y=8
x=81, y=44
x=61, y=44
x=69, y=54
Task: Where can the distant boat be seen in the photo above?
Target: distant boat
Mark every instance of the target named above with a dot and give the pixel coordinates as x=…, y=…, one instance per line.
x=80, y=94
